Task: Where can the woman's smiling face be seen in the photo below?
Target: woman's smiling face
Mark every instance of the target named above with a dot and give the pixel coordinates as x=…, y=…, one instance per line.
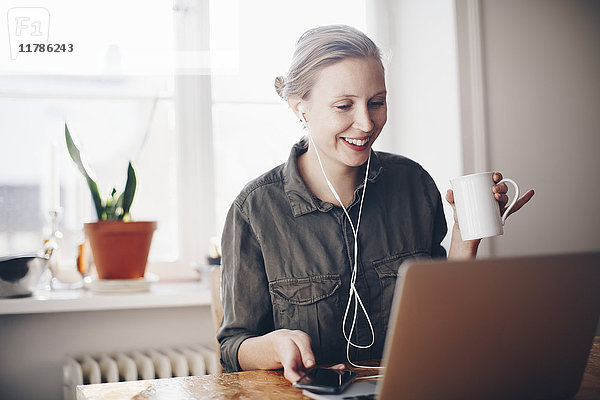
x=346, y=110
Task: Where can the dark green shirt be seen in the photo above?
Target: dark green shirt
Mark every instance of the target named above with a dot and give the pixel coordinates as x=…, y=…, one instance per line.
x=287, y=256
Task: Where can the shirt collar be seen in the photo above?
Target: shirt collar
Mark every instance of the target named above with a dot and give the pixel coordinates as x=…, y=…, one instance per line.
x=301, y=200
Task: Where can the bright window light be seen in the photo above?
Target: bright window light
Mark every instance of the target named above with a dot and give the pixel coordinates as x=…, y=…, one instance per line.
x=116, y=91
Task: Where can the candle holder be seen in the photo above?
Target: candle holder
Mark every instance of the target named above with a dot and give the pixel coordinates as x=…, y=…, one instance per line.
x=55, y=242
x=55, y=263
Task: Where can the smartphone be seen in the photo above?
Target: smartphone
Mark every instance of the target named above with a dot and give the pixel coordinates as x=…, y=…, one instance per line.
x=323, y=380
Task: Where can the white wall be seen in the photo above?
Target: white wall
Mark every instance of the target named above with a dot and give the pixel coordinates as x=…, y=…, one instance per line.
x=539, y=119
x=33, y=346
x=542, y=82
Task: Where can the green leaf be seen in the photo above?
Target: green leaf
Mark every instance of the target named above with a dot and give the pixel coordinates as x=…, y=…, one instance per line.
x=77, y=158
x=129, y=191
x=120, y=213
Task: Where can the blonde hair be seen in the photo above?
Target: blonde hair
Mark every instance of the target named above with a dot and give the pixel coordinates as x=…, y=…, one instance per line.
x=319, y=47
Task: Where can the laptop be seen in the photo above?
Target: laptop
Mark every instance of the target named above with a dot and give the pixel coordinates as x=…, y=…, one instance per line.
x=502, y=328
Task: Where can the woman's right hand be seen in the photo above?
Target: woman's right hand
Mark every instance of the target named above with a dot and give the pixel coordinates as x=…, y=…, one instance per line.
x=283, y=348
x=294, y=352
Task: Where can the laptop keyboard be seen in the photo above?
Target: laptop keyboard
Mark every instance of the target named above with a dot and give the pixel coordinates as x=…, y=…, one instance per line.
x=361, y=397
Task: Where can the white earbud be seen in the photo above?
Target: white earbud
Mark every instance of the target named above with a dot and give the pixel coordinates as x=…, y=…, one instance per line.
x=301, y=114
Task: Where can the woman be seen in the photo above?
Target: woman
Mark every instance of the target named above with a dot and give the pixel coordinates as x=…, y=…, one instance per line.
x=336, y=216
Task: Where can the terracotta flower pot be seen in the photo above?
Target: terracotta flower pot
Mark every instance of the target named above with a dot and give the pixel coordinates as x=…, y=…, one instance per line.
x=120, y=249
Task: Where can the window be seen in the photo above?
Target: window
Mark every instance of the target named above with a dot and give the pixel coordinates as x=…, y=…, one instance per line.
x=116, y=95
x=124, y=93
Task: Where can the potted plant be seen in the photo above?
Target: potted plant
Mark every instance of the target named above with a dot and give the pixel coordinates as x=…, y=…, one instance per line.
x=119, y=245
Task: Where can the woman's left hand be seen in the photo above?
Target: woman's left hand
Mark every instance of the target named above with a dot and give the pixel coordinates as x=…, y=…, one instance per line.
x=468, y=248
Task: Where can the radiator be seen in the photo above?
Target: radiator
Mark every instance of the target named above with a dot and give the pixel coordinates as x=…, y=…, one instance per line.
x=137, y=364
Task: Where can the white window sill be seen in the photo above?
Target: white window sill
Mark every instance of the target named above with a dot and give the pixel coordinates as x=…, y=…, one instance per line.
x=160, y=295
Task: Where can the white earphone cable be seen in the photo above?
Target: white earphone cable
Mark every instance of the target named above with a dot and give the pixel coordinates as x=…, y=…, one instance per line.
x=353, y=293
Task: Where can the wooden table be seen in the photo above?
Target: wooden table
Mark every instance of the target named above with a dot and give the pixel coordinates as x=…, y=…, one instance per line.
x=262, y=385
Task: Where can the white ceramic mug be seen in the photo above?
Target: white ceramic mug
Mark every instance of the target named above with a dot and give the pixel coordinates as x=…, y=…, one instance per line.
x=476, y=207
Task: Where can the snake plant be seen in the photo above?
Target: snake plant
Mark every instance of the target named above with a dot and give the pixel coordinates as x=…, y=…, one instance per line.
x=116, y=207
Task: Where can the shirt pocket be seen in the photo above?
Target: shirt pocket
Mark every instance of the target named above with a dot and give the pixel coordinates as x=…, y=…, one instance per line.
x=310, y=304
x=387, y=271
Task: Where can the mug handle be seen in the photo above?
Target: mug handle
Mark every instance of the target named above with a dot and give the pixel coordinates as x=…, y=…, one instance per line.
x=512, y=204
